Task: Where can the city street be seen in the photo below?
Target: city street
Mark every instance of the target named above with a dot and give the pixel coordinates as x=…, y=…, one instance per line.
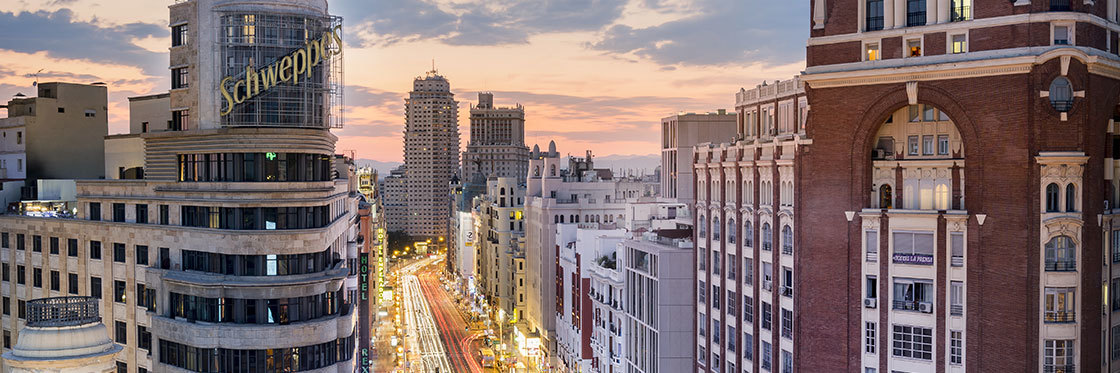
x=436, y=334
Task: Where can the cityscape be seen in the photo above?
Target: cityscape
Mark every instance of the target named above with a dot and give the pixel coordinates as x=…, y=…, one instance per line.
x=567, y=186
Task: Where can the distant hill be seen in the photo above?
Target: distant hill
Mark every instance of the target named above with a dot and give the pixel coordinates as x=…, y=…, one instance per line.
x=382, y=168
x=637, y=164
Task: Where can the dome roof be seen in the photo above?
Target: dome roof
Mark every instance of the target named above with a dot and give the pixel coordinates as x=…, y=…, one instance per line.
x=58, y=343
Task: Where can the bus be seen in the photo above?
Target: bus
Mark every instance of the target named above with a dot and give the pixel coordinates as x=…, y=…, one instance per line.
x=487, y=358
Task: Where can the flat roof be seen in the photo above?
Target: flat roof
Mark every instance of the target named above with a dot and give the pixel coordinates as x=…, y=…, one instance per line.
x=150, y=97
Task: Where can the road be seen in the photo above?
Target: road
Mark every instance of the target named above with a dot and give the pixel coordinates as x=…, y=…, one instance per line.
x=423, y=337
x=453, y=328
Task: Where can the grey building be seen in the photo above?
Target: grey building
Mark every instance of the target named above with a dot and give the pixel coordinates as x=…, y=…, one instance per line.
x=431, y=154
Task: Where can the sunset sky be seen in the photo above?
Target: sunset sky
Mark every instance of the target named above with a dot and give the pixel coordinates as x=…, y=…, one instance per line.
x=592, y=74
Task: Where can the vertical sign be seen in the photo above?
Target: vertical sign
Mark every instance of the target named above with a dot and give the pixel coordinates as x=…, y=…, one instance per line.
x=364, y=315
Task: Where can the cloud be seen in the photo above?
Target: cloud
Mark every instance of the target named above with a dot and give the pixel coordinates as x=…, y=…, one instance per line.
x=724, y=32
x=62, y=36
x=389, y=22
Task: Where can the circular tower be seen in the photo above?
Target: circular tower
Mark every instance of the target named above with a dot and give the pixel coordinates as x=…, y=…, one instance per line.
x=63, y=334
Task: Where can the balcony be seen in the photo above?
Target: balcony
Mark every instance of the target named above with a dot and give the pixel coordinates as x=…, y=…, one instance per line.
x=1061, y=265
x=960, y=13
x=909, y=305
x=1058, y=317
x=1064, y=368
x=787, y=250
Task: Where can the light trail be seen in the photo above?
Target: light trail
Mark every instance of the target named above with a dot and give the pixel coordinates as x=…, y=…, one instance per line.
x=423, y=334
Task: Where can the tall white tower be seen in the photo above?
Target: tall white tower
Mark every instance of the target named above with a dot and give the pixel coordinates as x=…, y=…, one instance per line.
x=431, y=154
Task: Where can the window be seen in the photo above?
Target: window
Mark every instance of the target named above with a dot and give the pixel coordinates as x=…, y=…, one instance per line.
x=37, y=243
x=7, y=306
x=1071, y=198
x=164, y=215
x=913, y=295
x=961, y=10
x=872, y=286
x=1052, y=198
x=95, y=250
x=7, y=272
x=869, y=337
x=702, y=292
x=956, y=298
x=94, y=211
x=716, y=265
x=4, y=240
x=143, y=337
x=915, y=13
x=95, y=287
x=960, y=43
x=767, y=237
x=72, y=283
x=1060, y=305
x=72, y=247
x=886, y=198
x=121, y=332
x=748, y=309
x=871, y=50
x=874, y=16
x=21, y=243
x=914, y=48
x=732, y=262
x=871, y=245
x=21, y=309
x=37, y=277
x=7, y=339
x=178, y=35
x=142, y=254
x=118, y=252
x=703, y=325
x=1059, y=5
x=912, y=141
x=956, y=344
x=1059, y=356
x=716, y=328
x=766, y=351
x=54, y=245
x=927, y=145
x=119, y=291
x=943, y=145
x=1061, y=254
x=1115, y=342
x=702, y=355
x=913, y=248
x=787, y=323
x=787, y=240
x=767, y=323
x=732, y=297
x=21, y=275
x=748, y=347
x=715, y=228
x=56, y=280
x=731, y=231
x=179, y=120
x=748, y=234
x=179, y=78
x=787, y=362
x=767, y=276
x=142, y=213
x=1061, y=34
x=118, y=212
x=912, y=342
x=787, y=282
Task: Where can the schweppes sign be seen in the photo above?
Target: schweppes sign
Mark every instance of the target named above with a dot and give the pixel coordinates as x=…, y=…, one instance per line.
x=286, y=69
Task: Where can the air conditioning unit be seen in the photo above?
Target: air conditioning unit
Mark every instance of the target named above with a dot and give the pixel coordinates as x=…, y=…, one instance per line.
x=870, y=302
x=925, y=307
x=880, y=154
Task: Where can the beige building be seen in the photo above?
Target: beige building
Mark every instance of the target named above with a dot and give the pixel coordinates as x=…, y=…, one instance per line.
x=237, y=251
x=679, y=133
x=497, y=146
x=431, y=155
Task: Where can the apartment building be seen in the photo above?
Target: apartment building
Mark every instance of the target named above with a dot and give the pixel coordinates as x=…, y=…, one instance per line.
x=588, y=330
x=238, y=249
x=500, y=251
x=746, y=245
x=557, y=195
x=431, y=156
x=497, y=144
x=395, y=199
x=679, y=133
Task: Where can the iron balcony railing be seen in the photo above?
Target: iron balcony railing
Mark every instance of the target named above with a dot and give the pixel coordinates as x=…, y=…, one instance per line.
x=961, y=13
x=63, y=311
x=1063, y=368
x=1061, y=265
x=872, y=257
x=1059, y=5
x=957, y=261
x=1060, y=316
x=956, y=309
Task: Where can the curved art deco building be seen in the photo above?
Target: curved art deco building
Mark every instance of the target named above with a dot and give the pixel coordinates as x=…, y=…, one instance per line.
x=237, y=251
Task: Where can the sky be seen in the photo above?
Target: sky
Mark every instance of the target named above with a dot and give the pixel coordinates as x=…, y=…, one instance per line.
x=592, y=74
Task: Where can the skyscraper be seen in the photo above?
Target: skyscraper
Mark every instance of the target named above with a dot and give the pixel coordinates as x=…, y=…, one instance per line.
x=431, y=154
x=497, y=146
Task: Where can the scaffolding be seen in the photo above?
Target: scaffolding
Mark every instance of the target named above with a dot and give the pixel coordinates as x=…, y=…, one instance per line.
x=259, y=39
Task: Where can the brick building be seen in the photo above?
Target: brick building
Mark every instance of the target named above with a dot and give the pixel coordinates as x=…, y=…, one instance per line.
x=958, y=189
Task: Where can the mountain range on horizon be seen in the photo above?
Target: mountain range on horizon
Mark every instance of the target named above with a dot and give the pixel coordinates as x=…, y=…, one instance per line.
x=635, y=164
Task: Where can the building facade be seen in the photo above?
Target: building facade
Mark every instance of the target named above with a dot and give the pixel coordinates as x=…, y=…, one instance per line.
x=237, y=251
x=746, y=266
x=500, y=249
x=497, y=145
x=63, y=335
x=431, y=155
x=679, y=133
x=395, y=199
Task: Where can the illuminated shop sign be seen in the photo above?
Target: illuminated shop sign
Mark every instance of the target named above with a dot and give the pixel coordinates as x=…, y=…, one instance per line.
x=286, y=69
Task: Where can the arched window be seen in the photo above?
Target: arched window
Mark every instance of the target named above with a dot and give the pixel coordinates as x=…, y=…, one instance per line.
x=536, y=170
x=941, y=197
x=787, y=240
x=767, y=238
x=1061, y=94
x=1061, y=254
x=703, y=231
x=886, y=198
x=502, y=191
x=1071, y=198
x=1052, y=198
x=748, y=234
x=552, y=170
x=731, y=231
x=715, y=228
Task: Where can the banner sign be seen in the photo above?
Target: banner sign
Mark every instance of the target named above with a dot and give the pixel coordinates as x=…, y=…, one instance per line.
x=913, y=259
